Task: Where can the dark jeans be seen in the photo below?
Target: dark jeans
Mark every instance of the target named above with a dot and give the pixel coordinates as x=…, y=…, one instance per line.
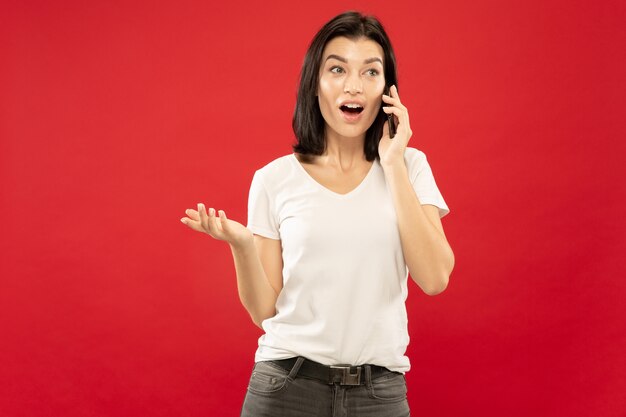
x=276, y=392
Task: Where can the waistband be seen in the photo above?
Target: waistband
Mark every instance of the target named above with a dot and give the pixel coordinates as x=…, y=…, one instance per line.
x=333, y=374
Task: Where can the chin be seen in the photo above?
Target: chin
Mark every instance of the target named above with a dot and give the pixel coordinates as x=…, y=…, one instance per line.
x=353, y=130
x=352, y=133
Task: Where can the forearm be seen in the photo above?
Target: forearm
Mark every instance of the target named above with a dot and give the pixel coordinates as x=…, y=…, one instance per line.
x=255, y=292
x=426, y=251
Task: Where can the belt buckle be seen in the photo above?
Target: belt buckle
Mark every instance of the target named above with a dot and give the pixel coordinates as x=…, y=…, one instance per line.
x=347, y=378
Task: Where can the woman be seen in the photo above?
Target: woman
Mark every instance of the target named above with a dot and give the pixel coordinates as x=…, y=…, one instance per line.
x=332, y=228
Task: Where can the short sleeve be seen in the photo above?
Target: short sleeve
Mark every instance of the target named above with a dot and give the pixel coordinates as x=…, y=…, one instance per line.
x=424, y=183
x=261, y=216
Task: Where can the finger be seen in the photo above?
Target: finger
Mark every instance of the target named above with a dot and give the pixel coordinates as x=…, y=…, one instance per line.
x=391, y=99
x=392, y=102
x=223, y=221
x=192, y=224
x=393, y=110
x=402, y=114
x=402, y=117
x=193, y=214
x=212, y=222
x=203, y=218
x=394, y=91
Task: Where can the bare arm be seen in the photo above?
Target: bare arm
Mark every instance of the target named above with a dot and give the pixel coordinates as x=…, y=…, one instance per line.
x=426, y=251
x=259, y=276
x=428, y=255
x=258, y=260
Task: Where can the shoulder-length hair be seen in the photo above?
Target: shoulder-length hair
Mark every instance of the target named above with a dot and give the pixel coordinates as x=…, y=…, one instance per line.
x=308, y=122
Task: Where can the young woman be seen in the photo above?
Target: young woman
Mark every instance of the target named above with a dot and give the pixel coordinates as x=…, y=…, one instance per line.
x=333, y=230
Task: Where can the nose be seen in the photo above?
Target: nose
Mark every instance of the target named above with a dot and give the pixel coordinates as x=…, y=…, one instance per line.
x=353, y=85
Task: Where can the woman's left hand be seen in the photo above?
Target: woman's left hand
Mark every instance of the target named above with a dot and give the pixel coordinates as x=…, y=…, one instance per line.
x=391, y=151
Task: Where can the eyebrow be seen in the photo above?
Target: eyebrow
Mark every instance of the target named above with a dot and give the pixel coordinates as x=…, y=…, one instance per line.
x=342, y=59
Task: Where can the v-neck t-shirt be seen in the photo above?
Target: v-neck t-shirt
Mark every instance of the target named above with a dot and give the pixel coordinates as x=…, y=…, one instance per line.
x=344, y=273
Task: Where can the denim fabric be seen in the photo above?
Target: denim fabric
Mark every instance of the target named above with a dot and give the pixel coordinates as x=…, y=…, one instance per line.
x=276, y=392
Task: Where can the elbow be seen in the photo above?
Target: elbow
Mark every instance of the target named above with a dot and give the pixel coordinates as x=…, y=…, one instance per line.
x=443, y=282
x=438, y=279
x=439, y=288
x=433, y=286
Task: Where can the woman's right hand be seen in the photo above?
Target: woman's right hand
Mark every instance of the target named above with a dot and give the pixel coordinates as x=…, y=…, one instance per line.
x=220, y=228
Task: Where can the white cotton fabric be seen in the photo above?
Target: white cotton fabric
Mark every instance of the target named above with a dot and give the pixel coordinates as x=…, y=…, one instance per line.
x=344, y=274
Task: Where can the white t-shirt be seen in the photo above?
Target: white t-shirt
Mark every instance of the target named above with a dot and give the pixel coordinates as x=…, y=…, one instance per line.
x=344, y=274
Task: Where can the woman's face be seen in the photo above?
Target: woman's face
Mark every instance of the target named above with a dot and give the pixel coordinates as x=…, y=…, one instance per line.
x=351, y=71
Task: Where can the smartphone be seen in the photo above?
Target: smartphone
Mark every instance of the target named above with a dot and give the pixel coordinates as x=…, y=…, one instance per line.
x=390, y=117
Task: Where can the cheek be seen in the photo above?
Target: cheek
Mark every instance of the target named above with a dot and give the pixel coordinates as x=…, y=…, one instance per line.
x=326, y=86
x=326, y=94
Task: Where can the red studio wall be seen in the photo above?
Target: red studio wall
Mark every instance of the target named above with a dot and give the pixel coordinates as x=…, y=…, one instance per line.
x=115, y=117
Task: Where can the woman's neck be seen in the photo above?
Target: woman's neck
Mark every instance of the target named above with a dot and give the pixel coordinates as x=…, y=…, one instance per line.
x=343, y=153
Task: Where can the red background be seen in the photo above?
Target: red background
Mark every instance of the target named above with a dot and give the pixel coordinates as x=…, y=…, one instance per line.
x=117, y=117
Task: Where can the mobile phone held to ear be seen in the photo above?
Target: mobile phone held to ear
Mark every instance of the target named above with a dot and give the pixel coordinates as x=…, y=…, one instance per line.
x=392, y=121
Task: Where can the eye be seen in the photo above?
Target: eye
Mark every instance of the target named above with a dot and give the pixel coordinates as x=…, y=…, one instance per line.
x=375, y=72
x=332, y=68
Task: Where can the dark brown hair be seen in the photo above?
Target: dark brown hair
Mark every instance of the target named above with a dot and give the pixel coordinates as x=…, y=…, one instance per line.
x=308, y=122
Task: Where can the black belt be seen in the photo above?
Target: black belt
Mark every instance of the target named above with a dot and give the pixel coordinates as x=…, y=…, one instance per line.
x=341, y=374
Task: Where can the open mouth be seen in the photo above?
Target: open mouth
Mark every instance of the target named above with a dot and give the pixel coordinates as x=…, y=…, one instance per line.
x=350, y=110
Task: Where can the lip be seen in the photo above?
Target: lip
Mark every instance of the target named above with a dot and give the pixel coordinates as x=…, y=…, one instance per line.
x=351, y=118
x=352, y=101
